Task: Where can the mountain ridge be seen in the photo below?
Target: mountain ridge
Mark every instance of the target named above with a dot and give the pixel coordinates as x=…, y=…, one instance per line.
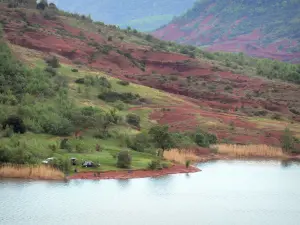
x=258, y=28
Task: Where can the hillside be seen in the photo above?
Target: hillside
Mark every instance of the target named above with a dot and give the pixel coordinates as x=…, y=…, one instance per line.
x=97, y=84
x=128, y=12
x=259, y=28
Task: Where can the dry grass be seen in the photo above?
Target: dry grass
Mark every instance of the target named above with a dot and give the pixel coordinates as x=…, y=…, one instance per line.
x=180, y=155
x=30, y=172
x=249, y=150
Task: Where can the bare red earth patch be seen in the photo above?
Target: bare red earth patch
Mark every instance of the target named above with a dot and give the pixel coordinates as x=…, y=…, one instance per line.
x=130, y=174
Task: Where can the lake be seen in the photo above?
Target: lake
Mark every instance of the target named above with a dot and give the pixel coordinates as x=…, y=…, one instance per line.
x=224, y=193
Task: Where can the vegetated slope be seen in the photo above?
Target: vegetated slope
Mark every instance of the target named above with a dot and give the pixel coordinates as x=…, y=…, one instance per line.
x=146, y=15
x=259, y=28
x=207, y=93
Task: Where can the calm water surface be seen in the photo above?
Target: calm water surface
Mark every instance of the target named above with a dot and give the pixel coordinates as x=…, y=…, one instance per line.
x=224, y=193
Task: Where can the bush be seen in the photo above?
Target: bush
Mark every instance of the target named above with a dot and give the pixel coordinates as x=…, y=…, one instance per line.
x=120, y=105
x=133, y=119
x=109, y=38
x=112, y=96
x=276, y=116
x=51, y=71
x=123, y=82
x=139, y=143
x=16, y=123
x=201, y=139
x=53, y=62
x=79, y=81
x=155, y=165
x=124, y=159
x=287, y=141
x=187, y=163
x=74, y=70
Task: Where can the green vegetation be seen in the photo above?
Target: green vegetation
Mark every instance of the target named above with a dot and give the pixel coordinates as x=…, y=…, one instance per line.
x=45, y=115
x=124, y=159
x=288, y=141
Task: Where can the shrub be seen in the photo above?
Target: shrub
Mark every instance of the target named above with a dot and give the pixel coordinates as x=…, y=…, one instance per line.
x=187, y=163
x=80, y=147
x=140, y=142
x=123, y=82
x=57, y=125
x=287, y=141
x=79, y=81
x=74, y=70
x=119, y=105
x=109, y=38
x=111, y=96
x=201, y=139
x=276, y=116
x=16, y=123
x=155, y=165
x=133, y=119
x=53, y=62
x=51, y=70
x=124, y=159
x=8, y=132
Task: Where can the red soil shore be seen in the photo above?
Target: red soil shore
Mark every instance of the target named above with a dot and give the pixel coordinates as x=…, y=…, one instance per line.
x=176, y=169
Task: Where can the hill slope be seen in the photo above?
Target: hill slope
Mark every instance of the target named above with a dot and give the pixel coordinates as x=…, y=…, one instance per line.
x=259, y=28
x=146, y=15
x=228, y=95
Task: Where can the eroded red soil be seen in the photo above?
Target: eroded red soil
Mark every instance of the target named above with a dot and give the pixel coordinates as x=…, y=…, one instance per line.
x=195, y=80
x=176, y=169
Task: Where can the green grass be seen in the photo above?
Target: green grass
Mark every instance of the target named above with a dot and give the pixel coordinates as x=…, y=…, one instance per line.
x=39, y=144
x=109, y=148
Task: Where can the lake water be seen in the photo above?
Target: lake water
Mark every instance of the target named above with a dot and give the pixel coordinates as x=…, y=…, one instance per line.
x=224, y=193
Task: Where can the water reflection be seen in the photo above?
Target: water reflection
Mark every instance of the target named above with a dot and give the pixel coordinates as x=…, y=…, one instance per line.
x=289, y=162
x=124, y=183
x=224, y=192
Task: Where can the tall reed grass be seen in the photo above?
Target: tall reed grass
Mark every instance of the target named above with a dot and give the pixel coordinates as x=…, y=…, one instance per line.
x=42, y=172
x=249, y=150
x=180, y=155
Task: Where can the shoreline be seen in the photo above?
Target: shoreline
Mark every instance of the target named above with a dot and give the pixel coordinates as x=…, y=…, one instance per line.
x=133, y=174
x=146, y=173
x=175, y=169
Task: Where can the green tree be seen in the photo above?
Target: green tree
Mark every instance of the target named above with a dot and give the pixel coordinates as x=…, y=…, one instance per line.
x=287, y=141
x=161, y=138
x=124, y=159
x=133, y=119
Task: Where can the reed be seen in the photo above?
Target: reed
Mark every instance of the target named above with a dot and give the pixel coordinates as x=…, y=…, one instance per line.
x=180, y=156
x=249, y=150
x=41, y=172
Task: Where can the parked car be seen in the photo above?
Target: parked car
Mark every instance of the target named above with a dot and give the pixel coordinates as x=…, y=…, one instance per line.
x=89, y=164
x=47, y=161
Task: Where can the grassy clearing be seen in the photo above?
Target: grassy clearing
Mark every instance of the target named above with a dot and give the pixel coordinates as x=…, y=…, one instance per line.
x=249, y=150
x=39, y=145
x=30, y=172
x=180, y=156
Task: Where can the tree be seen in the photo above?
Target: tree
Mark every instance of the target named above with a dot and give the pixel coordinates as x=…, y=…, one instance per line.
x=42, y=4
x=161, y=137
x=124, y=159
x=287, y=141
x=133, y=119
x=16, y=123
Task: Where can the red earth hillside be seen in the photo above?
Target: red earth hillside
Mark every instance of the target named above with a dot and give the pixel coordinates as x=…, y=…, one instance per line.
x=210, y=93
x=259, y=28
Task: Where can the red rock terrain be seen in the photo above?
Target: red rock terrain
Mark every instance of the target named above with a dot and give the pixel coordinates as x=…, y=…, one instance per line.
x=209, y=93
x=239, y=26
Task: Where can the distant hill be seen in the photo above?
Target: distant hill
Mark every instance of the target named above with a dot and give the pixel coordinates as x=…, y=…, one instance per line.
x=262, y=28
x=144, y=15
